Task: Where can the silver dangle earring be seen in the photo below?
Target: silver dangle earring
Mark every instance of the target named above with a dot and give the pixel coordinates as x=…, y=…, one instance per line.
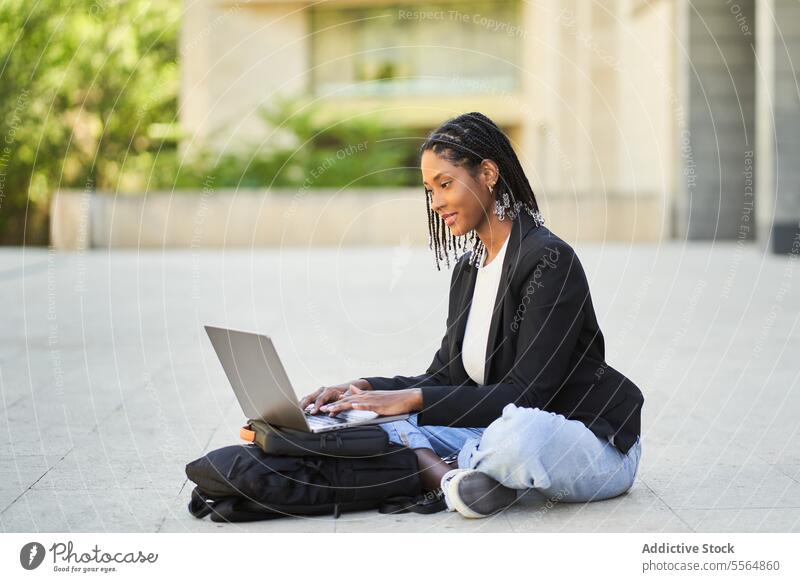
x=515, y=212
x=500, y=209
x=538, y=219
x=505, y=209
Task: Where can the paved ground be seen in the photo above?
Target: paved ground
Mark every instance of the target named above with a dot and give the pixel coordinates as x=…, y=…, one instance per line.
x=109, y=387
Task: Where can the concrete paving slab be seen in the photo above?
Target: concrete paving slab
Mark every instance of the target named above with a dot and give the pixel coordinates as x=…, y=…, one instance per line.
x=109, y=510
x=638, y=510
x=759, y=519
x=685, y=479
x=445, y=521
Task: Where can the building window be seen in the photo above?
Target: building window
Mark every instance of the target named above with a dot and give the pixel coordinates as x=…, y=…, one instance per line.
x=415, y=49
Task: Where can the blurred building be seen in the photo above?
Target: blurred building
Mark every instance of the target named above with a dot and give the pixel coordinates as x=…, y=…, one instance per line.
x=635, y=120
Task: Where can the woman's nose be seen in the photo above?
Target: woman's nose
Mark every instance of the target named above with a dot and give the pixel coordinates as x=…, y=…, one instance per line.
x=436, y=202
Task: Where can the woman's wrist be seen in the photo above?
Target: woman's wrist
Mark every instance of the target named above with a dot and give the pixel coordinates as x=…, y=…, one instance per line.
x=361, y=383
x=416, y=399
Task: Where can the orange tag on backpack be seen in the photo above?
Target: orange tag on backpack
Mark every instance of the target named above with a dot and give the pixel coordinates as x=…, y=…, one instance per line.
x=246, y=434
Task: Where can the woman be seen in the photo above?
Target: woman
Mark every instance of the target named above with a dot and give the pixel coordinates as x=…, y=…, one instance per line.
x=519, y=390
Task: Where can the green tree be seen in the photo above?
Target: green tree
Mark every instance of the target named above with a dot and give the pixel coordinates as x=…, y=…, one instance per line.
x=84, y=86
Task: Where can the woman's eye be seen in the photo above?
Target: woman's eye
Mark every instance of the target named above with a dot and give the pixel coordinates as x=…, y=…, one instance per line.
x=445, y=184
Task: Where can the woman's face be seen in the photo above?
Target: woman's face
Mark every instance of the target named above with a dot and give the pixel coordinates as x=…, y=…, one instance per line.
x=462, y=201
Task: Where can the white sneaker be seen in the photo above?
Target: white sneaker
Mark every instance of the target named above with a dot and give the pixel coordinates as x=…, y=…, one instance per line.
x=474, y=494
x=445, y=484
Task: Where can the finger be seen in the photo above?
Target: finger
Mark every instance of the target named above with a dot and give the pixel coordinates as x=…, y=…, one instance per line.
x=344, y=404
x=321, y=399
x=306, y=400
x=309, y=398
x=345, y=399
x=332, y=409
x=339, y=405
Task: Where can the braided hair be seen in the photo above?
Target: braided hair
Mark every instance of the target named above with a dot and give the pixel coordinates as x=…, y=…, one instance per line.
x=466, y=140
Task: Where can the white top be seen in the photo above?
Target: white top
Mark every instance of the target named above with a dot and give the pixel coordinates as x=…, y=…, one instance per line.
x=476, y=335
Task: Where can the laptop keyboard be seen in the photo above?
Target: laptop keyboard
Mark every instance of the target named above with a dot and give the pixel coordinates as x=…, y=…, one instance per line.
x=323, y=420
x=341, y=418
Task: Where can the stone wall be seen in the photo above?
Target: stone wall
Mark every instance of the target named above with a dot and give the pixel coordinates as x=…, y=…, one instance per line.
x=319, y=217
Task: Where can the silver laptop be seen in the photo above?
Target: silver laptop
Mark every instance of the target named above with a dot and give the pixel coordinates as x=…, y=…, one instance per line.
x=263, y=390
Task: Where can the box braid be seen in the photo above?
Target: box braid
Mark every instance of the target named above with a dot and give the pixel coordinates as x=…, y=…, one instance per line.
x=466, y=140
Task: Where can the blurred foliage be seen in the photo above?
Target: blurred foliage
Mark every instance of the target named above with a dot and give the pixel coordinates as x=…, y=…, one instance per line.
x=81, y=84
x=89, y=101
x=300, y=150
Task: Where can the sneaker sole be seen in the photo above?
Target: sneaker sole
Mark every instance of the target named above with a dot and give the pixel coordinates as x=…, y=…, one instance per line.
x=447, y=479
x=475, y=494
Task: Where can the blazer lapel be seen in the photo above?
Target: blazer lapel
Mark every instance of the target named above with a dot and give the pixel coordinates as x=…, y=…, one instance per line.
x=510, y=264
x=467, y=287
x=522, y=224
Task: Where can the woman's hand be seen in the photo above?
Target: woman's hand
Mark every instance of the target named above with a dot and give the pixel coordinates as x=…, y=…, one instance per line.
x=384, y=402
x=326, y=394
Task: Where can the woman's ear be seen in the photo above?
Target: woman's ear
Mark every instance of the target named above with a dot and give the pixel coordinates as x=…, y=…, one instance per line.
x=490, y=172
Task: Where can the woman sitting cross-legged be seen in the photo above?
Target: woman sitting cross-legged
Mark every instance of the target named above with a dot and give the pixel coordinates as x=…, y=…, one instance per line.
x=519, y=394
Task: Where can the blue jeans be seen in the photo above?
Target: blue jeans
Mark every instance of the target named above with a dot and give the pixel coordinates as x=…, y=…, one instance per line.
x=529, y=448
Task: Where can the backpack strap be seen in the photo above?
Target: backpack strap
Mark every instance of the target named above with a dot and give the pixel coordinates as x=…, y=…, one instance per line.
x=239, y=509
x=344, y=480
x=199, y=506
x=399, y=504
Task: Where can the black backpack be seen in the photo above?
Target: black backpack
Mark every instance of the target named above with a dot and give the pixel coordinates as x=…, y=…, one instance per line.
x=356, y=441
x=243, y=483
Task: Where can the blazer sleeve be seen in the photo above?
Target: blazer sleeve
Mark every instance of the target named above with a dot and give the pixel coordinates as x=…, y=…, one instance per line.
x=547, y=323
x=437, y=373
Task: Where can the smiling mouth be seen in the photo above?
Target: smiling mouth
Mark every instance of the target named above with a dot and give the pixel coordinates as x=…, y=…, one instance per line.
x=449, y=218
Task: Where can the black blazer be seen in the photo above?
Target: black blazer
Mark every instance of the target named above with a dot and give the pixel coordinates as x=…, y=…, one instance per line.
x=545, y=348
